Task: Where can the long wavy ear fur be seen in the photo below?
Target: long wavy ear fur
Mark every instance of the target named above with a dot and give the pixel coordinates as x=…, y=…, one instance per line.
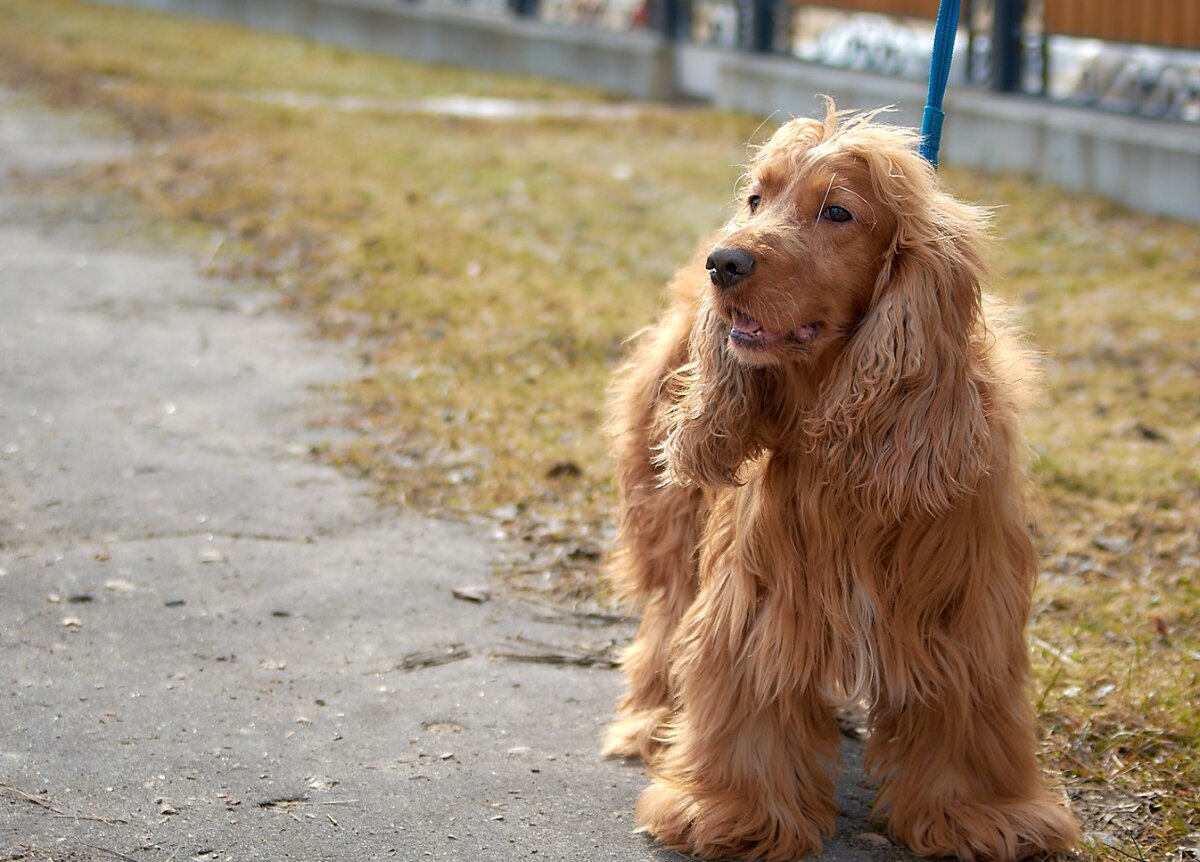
x=902, y=422
x=715, y=421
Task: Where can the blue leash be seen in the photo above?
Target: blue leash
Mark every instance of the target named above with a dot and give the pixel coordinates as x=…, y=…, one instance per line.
x=939, y=74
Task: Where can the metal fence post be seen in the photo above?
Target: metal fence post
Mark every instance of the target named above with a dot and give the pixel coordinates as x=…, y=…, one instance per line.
x=764, y=25
x=673, y=19
x=757, y=25
x=1008, y=51
x=524, y=8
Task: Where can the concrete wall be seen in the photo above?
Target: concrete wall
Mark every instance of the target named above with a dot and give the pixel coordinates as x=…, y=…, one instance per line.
x=635, y=64
x=1147, y=164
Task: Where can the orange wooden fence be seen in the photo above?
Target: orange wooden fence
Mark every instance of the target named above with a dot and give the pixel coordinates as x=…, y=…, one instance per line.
x=1170, y=23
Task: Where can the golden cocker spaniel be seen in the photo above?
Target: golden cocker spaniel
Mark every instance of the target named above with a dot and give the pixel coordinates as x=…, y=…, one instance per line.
x=823, y=479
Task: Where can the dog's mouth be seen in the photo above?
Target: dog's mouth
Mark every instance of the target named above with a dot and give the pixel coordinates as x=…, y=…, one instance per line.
x=745, y=331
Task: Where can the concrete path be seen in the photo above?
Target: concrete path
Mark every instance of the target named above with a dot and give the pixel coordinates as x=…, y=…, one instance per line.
x=213, y=647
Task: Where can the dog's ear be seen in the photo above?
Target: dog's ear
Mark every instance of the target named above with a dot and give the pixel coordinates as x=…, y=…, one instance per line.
x=713, y=421
x=902, y=421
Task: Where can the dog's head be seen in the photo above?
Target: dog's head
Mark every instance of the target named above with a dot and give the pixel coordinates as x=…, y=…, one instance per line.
x=843, y=295
x=794, y=270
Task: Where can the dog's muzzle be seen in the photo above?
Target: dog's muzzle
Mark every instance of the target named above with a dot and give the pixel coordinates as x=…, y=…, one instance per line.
x=728, y=266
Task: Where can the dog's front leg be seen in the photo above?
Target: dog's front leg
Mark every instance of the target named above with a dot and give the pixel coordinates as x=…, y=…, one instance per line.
x=952, y=730
x=656, y=569
x=747, y=766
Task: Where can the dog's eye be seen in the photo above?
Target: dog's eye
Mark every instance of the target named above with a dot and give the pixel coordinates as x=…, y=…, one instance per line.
x=753, y=202
x=836, y=213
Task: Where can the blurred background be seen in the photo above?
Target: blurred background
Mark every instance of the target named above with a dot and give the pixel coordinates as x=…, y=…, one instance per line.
x=1118, y=59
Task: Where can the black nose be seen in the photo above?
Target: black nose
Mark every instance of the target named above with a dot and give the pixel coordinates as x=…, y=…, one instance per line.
x=728, y=266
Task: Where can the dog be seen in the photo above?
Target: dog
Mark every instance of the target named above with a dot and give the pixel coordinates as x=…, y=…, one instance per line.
x=823, y=481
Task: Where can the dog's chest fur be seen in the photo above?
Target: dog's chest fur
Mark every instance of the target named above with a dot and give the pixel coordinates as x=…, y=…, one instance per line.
x=782, y=510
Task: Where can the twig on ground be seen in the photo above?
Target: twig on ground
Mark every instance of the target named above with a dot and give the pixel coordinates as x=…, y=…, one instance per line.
x=116, y=854
x=425, y=658
x=58, y=812
x=31, y=797
x=95, y=818
x=536, y=652
x=283, y=803
x=552, y=613
x=26, y=852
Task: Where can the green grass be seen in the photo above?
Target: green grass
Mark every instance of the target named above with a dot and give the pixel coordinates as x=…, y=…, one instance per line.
x=490, y=271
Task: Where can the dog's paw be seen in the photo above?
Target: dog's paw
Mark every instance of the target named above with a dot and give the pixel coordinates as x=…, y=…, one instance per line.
x=636, y=733
x=715, y=826
x=999, y=832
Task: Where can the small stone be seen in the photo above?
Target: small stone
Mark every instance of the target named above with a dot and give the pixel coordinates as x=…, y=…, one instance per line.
x=873, y=838
x=475, y=594
x=1113, y=544
x=564, y=470
x=72, y=622
x=1148, y=433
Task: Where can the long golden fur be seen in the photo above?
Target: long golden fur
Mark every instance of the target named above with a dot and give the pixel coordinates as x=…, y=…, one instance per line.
x=823, y=480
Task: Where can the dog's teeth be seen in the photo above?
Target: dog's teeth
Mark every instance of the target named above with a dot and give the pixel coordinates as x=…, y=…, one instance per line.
x=747, y=326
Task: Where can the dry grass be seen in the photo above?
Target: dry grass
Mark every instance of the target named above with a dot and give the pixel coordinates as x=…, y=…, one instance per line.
x=490, y=271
